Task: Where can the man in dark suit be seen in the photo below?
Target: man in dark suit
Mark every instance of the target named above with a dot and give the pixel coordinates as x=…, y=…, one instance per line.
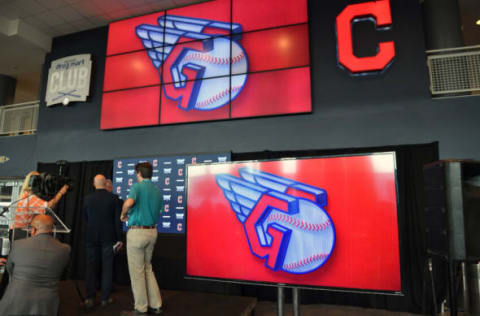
x=35, y=266
x=101, y=210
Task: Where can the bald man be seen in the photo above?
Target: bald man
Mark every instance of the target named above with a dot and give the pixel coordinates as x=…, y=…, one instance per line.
x=101, y=211
x=35, y=266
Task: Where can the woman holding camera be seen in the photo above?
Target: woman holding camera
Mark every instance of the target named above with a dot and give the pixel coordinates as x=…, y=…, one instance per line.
x=30, y=204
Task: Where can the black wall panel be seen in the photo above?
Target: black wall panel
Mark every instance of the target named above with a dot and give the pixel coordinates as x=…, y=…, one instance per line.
x=390, y=108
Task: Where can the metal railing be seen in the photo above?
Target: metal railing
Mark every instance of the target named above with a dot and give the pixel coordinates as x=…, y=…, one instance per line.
x=19, y=119
x=454, y=71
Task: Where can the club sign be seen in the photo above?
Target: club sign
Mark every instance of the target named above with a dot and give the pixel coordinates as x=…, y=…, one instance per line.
x=69, y=79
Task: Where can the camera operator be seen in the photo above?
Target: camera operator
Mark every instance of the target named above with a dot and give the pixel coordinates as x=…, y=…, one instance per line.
x=30, y=204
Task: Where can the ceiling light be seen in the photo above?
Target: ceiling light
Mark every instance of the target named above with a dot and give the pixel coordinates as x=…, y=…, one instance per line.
x=478, y=22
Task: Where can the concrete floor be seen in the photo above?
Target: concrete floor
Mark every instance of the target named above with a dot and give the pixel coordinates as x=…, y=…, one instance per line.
x=270, y=309
x=181, y=303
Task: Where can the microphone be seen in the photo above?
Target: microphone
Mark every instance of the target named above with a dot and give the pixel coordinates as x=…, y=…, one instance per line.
x=4, y=210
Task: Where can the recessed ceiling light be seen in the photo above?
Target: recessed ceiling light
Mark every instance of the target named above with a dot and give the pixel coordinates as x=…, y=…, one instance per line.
x=478, y=22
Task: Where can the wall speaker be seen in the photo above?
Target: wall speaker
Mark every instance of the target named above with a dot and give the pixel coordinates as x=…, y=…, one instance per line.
x=452, y=208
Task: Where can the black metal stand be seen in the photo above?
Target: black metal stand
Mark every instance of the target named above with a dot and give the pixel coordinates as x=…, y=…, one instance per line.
x=434, y=295
x=280, y=300
x=296, y=301
x=452, y=295
x=465, y=289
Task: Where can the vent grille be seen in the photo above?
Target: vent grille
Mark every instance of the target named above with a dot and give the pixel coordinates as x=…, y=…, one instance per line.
x=454, y=72
x=18, y=119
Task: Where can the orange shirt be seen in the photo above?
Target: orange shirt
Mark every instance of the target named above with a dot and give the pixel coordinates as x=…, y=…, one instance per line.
x=27, y=208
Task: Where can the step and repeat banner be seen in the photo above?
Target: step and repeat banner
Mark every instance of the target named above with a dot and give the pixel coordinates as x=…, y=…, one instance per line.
x=169, y=175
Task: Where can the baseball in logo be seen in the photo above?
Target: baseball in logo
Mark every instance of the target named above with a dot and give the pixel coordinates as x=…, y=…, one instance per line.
x=285, y=221
x=188, y=65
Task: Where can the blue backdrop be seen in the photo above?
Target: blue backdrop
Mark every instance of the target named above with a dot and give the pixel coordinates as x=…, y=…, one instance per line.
x=169, y=176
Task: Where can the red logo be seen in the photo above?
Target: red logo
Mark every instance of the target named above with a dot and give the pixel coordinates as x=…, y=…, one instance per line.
x=353, y=13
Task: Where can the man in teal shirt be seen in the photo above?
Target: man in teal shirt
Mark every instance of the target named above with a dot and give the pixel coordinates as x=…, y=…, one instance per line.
x=142, y=211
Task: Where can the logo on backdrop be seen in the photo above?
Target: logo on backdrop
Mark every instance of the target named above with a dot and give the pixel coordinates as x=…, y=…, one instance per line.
x=284, y=220
x=206, y=55
x=69, y=79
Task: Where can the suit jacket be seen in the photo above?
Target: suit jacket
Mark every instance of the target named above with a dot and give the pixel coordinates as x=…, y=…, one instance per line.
x=102, y=213
x=35, y=266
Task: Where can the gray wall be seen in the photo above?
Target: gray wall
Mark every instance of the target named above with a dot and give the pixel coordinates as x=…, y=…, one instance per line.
x=390, y=108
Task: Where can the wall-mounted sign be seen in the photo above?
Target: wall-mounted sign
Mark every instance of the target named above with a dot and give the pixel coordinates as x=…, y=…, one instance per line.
x=69, y=79
x=380, y=14
x=217, y=60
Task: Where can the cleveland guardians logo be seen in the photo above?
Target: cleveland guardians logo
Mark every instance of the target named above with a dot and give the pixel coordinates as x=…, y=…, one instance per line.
x=188, y=65
x=285, y=221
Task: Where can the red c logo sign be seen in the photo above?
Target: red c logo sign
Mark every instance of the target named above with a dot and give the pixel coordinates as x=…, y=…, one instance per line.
x=380, y=11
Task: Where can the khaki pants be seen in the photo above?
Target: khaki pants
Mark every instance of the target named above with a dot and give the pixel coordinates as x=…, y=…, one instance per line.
x=140, y=244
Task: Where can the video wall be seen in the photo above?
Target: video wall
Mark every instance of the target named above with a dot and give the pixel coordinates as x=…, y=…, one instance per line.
x=218, y=60
x=320, y=222
x=169, y=176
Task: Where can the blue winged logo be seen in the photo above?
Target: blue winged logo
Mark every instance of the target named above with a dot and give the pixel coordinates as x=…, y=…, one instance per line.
x=285, y=221
x=212, y=63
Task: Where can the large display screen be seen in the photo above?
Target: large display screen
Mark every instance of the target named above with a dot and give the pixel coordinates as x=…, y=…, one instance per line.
x=169, y=176
x=218, y=60
x=320, y=222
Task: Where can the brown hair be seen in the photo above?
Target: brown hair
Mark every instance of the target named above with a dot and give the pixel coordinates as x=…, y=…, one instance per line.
x=145, y=169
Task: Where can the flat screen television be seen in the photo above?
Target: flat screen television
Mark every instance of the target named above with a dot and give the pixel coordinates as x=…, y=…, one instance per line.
x=215, y=60
x=328, y=222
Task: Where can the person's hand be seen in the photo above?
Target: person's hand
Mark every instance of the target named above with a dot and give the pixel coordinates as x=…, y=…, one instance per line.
x=64, y=189
x=3, y=261
x=124, y=218
x=118, y=246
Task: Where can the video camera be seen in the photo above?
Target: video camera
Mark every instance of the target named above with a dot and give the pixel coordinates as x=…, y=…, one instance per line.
x=46, y=185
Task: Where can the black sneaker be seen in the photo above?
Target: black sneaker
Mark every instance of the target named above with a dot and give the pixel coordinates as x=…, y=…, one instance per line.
x=155, y=311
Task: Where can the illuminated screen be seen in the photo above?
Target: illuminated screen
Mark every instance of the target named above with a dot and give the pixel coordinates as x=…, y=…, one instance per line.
x=319, y=222
x=218, y=60
x=169, y=176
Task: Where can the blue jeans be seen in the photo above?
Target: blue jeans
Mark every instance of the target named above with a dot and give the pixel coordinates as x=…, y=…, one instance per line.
x=96, y=254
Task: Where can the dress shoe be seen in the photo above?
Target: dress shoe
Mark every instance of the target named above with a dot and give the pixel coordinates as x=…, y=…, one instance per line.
x=107, y=302
x=155, y=311
x=89, y=303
